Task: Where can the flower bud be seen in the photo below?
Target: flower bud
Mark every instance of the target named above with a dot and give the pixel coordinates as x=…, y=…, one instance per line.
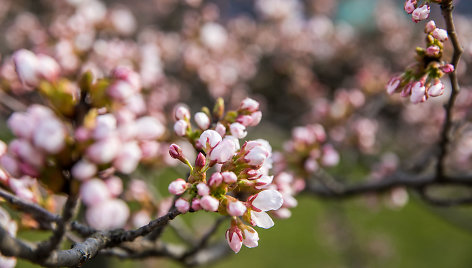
x=220, y=129
x=249, y=104
x=420, y=13
x=209, y=139
x=393, y=84
x=430, y=26
x=440, y=34
x=202, y=120
x=178, y=187
x=229, y=177
x=94, y=192
x=330, y=156
x=209, y=203
x=200, y=162
x=447, y=68
x=84, y=170
x=110, y=214
x=215, y=180
x=48, y=68
x=114, y=185
x=182, y=205
x=104, y=151
x=26, y=65
x=180, y=128
x=234, y=238
x=128, y=157
x=50, y=136
x=182, y=113
x=223, y=152
x=432, y=51
x=219, y=108
x=251, y=237
x=409, y=6
x=235, y=208
x=196, y=204
x=437, y=89
x=203, y=189
x=176, y=152
x=256, y=118
x=238, y=130
x=418, y=93
x=148, y=128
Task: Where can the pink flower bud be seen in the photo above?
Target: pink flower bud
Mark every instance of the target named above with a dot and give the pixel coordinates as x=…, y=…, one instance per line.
x=48, y=68
x=94, y=192
x=256, y=156
x=215, y=180
x=10, y=164
x=220, y=129
x=440, y=34
x=182, y=205
x=234, y=238
x=437, y=89
x=23, y=149
x=406, y=91
x=27, y=65
x=126, y=74
x=430, y=26
x=114, y=185
x=202, y=120
x=203, y=189
x=209, y=139
x=200, y=161
x=209, y=203
x=150, y=149
x=432, y=51
x=420, y=13
x=196, y=204
x=128, y=157
x=21, y=125
x=236, y=208
x=121, y=90
x=148, y=128
x=178, y=187
x=180, y=128
x=245, y=120
x=330, y=156
x=251, y=237
x=82, y=134
x=104, y=151
x=84, y=170
x=256, y=118
x=50, y=136
x=447, y=68
x=105, y=125
x=182, y=113
x=418, y=93
x=110, y=214
x=238, y=130
x=410, y=6
x=229, y=177
x=223, y=152
x=175, y=151
x=393, y=84
x=249, y=105
x=141, y=218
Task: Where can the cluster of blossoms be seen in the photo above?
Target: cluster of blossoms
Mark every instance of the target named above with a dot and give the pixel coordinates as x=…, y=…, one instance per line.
x=240, y=185
x=11, y=227
x=422, y=80
x=418, y=12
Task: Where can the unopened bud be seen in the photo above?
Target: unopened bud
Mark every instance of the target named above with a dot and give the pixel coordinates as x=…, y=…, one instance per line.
x=200, y=161
x=219, y=108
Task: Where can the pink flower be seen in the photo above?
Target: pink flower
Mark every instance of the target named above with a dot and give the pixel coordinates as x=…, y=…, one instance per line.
x=209, y=139
x=393, y=84
x=202, y=120
x=141, y=218
x=48, y=68
x=420, y=13
x=418, y=93
x=26, y=64
x=105, y=125
x=203, y=189
x=245, y=120
x=250, y=237
x=94, y=192
x=235, y=208
x=148, y=128
x=180, y=128
x=104, y=151
x=410, y=6
x=229, y=177
x=432, y=50
x=10, y=164
x=114, y=185
x=175, y=151
x=440, y=34
x=330, y=156
x=263, y=181
x=178, y=187
x=128, y=157
x=182, y=113
x=200, y=161
x=234, y=238
x=50, y=136
x=84, y=170
x=182, y=205
x=249, y=105
x=256, y=155
x=430, y=26
x=196, y=204
x=215, y=180
x=261, y=202
x=447, y=68
x=110, y=214
x=238, y=130
x=256, y=118
x=121, y=90
x=209, y=203
x=437, y=89
x=126, y=74
x=21, y=125
x=223, y=152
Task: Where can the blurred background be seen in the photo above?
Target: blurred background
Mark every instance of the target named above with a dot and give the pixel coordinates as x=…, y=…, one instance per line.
x=306, y=61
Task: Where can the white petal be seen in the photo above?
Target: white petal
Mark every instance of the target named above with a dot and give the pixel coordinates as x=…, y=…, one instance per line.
x=268, y=200
x=262, y=219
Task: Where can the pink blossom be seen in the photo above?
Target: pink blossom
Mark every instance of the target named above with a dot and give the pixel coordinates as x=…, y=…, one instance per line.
x=126, y=74
x=235, y=208
x=48, y=68
x=263, y=181
x=432, y=50
x=256, y=155
x=410, y=6
x=21, y=125
x=104, y=151
x=148, y=128
x=420, y=13
x=267, y=200
x=447, y=68
x=10, y=164
x=149, y=149
x=50, y=136
x=213, y=35
x=203, y=189
x=209, y=203
x=220, y=129
x=209, y=139
x=110, y=214
x=437, y=89
x=114, y=185
x=250, y=237
x=177, y=187
x=27, y=65
x=105, y=125
x=182, y=205
x=249, y=104
x=94, y=192
x=330, y=156
x=27, y=152
x=182, y=113
x=215, y=180
x=84, y=170
x=202, y=120
x=440, y=34
x=245, y=120
x=196, y=204
x=180, y=128
x=418, y=93
x=200, y=161
x=234, y=238
x=430, y=26
x=238, y=130
x=229, y=177
x=128, y=157
x=256, y=118
x=393, y=84
x=141, y=218
x=223, y=152
x=121, y=90
x=175, y=151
